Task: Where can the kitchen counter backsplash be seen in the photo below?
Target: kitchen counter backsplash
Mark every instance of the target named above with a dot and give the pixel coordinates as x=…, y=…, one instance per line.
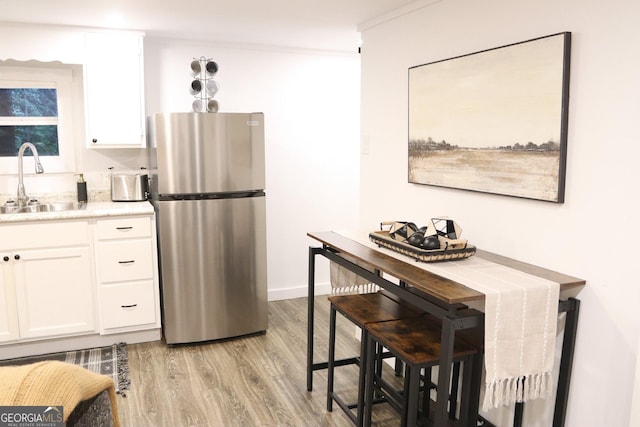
x=94, y=196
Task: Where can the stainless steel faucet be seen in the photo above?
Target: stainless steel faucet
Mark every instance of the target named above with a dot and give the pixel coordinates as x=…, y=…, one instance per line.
x=23, y=199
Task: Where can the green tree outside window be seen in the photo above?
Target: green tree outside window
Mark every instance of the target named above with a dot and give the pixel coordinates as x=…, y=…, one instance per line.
x=23, y=112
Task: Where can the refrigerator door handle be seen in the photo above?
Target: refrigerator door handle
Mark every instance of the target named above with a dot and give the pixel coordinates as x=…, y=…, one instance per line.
x=211, y=196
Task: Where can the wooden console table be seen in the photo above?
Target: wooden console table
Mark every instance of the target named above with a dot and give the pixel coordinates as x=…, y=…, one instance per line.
x=445, y=299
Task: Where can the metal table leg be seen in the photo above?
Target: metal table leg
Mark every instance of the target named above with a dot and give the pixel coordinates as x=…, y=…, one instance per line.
x=310, y=312
x=572, y=308
x=517, y=416
x=566, y=362
x=444, y=372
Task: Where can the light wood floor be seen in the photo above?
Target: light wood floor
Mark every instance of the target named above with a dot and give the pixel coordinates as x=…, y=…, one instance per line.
x=252, y=381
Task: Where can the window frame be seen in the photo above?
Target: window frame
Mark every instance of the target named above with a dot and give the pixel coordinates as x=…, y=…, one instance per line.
x=24, y=75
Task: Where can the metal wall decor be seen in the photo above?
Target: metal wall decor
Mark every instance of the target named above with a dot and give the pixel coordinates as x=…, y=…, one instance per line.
x=493, y=121
x=203, y=86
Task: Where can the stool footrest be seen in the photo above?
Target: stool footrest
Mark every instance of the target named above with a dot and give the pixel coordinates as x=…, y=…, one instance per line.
x=340, y=362
x=347, y=361
x=347, y=407
x=393, y=396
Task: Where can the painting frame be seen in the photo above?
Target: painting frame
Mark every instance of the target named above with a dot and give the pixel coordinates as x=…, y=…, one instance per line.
x=493, y=121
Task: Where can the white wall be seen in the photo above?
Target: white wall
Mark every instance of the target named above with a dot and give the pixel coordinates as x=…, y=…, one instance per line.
x=592, y=234
x=311, y=105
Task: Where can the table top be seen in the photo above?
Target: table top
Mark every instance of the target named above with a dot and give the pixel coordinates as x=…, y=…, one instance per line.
x=444, y=289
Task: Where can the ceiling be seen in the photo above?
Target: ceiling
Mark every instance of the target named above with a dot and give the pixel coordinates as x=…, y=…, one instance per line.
x=314, y=24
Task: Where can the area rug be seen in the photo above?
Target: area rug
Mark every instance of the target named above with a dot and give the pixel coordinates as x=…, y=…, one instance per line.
x=111, y=360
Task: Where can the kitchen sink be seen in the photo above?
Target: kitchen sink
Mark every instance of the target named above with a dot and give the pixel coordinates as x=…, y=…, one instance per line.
x=43, y=207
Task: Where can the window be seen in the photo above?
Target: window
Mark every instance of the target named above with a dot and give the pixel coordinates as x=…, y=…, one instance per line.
x=29, y=114
x=35, y=106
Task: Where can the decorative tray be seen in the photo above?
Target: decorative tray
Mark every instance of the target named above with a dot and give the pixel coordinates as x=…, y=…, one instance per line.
x=453, y=248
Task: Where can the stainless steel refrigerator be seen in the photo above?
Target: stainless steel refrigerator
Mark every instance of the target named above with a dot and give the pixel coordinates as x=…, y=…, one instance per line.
x=207, y=186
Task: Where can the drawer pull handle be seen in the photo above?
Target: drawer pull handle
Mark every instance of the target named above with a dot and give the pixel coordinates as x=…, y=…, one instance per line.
x=126, y=262
x=129, y=306
x=124, y=228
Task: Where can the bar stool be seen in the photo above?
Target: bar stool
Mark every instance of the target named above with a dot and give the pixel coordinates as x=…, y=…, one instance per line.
x=415, y=341
x=360, y=309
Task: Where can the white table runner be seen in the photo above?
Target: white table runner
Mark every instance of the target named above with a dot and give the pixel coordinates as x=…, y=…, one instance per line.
x=520, y=324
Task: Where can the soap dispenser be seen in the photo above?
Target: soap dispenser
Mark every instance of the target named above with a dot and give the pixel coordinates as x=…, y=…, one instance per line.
x=82, y=188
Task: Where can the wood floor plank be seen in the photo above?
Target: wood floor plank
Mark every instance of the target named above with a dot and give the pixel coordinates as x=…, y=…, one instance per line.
x=258, y=380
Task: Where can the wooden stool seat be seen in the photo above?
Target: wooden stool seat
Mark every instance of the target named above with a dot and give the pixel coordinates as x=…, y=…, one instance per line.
x=417, y=342
x=367, y=308
x=361, y=309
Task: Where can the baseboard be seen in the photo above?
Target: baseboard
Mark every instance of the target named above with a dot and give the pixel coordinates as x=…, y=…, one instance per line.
x=298, y=292
x=11, y=351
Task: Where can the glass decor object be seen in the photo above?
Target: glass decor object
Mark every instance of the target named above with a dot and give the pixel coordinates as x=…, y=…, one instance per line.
x=203, y=86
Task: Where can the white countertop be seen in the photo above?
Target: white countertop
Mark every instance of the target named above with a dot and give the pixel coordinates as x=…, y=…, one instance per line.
x=91, y=210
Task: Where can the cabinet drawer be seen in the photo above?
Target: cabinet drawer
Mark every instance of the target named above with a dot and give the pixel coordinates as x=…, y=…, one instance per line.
x=43, y=235
x=125, y=260
x=127, y=305
x=124, y=228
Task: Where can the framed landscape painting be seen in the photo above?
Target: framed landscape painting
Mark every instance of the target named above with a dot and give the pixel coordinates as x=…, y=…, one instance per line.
x=493, y=121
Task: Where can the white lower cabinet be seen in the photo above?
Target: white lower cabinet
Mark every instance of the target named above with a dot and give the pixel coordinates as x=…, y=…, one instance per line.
x=47, y=281
x=8, y=307
x=54, y=292
x=127, y=278
x=125, y=261
x=69, y=279
x=127, y=304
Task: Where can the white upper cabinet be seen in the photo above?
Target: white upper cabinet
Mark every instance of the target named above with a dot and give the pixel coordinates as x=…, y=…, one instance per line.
x=112, y=64
x=114, y=90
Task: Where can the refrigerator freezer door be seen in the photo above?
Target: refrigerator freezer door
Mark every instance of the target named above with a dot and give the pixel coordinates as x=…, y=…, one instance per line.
x=207, y=152
x=214, y=273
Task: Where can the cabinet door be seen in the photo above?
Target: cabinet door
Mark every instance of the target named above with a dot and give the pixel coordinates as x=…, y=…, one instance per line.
x=114, y=90
x=8, y=311
x=54, y=290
